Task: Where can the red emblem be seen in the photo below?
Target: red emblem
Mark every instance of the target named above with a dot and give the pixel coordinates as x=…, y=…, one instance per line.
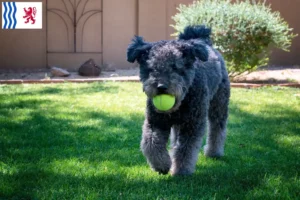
x=30, y=14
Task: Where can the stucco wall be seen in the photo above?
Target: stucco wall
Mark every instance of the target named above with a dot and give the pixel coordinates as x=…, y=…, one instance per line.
x=106, y=36
x=23, y=49
x=119, y=25
x=289, y=10
x=74, y=37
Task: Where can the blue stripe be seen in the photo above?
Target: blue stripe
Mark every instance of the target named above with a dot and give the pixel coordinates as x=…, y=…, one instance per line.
x=14, y=15
x=5, y=12
x=9, y=15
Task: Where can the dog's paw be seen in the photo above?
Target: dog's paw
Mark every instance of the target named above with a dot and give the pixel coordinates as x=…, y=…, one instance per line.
x=162, y=165
x=163, y=168
x=213, y=153
x=175, y=171
x=161, y=171
x=182, y=172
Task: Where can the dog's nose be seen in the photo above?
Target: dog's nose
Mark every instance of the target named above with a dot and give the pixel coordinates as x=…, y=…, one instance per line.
x=162, y=87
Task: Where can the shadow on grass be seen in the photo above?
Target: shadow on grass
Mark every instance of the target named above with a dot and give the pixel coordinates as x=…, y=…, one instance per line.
x=51, y=137
x=21, y=104
x=29, y=146
x=45, y=151
x=77, y=89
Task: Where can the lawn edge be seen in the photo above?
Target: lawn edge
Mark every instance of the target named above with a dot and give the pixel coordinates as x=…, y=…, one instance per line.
x=133, y=79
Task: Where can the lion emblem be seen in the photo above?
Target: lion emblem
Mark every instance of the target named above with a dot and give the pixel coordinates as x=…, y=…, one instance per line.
x=30, y=14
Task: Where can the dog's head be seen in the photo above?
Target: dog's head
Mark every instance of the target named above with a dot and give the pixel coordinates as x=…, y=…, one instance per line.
x=167, y=67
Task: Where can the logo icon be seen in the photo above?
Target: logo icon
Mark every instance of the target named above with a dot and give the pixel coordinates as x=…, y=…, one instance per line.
x=22, y=15
x=30, y=14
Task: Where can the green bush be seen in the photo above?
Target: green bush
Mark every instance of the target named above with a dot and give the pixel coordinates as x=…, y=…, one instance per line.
x=243, y=31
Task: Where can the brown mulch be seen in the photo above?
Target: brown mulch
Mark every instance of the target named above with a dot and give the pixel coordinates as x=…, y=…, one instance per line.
x=272, y=75
x=267, y=76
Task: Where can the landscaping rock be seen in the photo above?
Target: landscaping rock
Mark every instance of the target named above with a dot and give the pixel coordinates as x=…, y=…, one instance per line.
x=114, y=75
x=89, y=68
x=23, y=75
x=56, y=71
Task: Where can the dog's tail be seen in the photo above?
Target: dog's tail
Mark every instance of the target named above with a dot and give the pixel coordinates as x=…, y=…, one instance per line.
x=196, y=32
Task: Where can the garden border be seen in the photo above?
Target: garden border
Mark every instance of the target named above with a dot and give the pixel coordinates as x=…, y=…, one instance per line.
x=129, y=79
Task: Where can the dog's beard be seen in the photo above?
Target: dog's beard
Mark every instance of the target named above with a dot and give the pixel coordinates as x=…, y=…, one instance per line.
x=177, y=90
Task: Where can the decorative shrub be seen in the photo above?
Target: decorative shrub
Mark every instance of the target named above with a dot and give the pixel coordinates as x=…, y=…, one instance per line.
x=243, y=31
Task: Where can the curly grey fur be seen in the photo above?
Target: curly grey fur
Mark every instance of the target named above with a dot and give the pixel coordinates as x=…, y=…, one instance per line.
x=195, y=73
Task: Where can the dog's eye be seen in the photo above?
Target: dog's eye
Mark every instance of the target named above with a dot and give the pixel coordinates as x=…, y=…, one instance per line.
x=144, y=55
x=151, y=70
x=179, y=71
x=174, y=67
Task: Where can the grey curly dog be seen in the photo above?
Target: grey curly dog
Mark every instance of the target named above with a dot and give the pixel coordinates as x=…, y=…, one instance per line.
x=194, y=72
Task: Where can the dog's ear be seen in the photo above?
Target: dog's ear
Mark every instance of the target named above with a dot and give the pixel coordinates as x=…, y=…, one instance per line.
x=199, y=50
x=137, y=48
x=191, y=51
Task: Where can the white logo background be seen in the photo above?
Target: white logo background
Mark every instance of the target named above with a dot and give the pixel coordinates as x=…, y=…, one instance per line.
x=20, y=21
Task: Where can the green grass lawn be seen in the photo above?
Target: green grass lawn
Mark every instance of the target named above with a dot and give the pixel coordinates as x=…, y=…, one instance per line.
x=81, y=141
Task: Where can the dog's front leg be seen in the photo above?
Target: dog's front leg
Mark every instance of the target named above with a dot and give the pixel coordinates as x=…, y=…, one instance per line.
x=154, y=147
x=185, y=147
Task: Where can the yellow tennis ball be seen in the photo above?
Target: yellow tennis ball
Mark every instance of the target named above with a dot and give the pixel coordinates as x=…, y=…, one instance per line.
x=163, y=102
